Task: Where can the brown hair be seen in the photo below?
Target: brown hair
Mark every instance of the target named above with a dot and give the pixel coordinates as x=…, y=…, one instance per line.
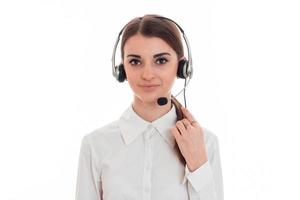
x=154, y=26
x=158, y=26
x=179, y=114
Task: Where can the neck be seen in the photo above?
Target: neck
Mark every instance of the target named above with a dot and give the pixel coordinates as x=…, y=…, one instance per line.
x=150, y=111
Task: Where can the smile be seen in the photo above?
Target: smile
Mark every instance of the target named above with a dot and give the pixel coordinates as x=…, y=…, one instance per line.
x=149, y=87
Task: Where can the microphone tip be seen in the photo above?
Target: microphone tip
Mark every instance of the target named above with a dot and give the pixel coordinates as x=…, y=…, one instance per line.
x=162, y=101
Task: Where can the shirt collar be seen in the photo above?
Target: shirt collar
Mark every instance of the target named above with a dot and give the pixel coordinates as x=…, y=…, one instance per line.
x=131, y=125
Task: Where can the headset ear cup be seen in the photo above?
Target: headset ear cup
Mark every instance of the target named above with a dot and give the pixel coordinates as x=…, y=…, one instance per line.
x=122, y=74
x=182, y=69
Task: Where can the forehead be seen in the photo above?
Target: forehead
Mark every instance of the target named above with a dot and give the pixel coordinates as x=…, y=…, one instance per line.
x=140, y=44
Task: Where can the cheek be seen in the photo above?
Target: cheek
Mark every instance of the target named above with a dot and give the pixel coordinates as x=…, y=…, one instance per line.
x=131, y=81
x=130, y=76
x=170, y=74
x=169, y=80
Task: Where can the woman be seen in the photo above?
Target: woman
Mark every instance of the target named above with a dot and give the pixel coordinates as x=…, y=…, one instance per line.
x=152, y=151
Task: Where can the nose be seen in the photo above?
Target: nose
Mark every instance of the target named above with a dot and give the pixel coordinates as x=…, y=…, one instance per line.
x=148, y=72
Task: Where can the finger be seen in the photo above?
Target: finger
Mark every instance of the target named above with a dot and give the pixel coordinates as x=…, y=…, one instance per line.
x=190, y=117
x=181, y=127
x=187, y=124
x=187, y=113
x=176, y=133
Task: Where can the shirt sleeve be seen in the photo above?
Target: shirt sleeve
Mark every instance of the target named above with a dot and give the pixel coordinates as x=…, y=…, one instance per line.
x=206, y=182
x=88, y=185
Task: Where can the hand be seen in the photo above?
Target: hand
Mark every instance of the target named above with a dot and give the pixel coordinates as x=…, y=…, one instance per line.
x=190, y=140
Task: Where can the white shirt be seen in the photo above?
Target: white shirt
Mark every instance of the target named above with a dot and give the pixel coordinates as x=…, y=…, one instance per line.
x=133, y=159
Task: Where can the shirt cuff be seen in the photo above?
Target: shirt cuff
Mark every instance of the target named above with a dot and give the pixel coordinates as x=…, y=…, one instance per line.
x=200, y=177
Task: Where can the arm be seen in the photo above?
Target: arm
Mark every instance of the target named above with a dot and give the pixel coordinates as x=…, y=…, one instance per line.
x=206, y=182
x=88, y=185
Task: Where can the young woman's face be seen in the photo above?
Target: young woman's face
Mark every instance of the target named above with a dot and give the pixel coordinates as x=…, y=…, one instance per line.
x=151, y=66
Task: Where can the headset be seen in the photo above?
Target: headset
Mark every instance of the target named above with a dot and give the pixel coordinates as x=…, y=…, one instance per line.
x=185, y=67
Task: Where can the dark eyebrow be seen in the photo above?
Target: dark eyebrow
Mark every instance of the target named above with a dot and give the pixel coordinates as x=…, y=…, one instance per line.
x=160, y=54
x=155, y=56
x=133, y=55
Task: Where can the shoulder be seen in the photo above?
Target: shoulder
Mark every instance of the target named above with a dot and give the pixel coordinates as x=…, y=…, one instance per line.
x=101, y=141
x=99, y=134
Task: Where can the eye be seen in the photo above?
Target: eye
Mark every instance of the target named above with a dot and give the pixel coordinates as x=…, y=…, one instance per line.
x=134, y=62
x=161, y=60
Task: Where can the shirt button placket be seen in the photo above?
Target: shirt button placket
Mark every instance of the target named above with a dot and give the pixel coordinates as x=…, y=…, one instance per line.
x=147, y=166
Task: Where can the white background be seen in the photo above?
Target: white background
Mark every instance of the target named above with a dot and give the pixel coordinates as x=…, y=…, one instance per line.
x=56, y=86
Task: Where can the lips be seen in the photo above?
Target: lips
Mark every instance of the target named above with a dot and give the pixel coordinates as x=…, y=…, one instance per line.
x=149, y=87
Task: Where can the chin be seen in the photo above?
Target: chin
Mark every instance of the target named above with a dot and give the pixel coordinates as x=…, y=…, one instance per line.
x=147, y=98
